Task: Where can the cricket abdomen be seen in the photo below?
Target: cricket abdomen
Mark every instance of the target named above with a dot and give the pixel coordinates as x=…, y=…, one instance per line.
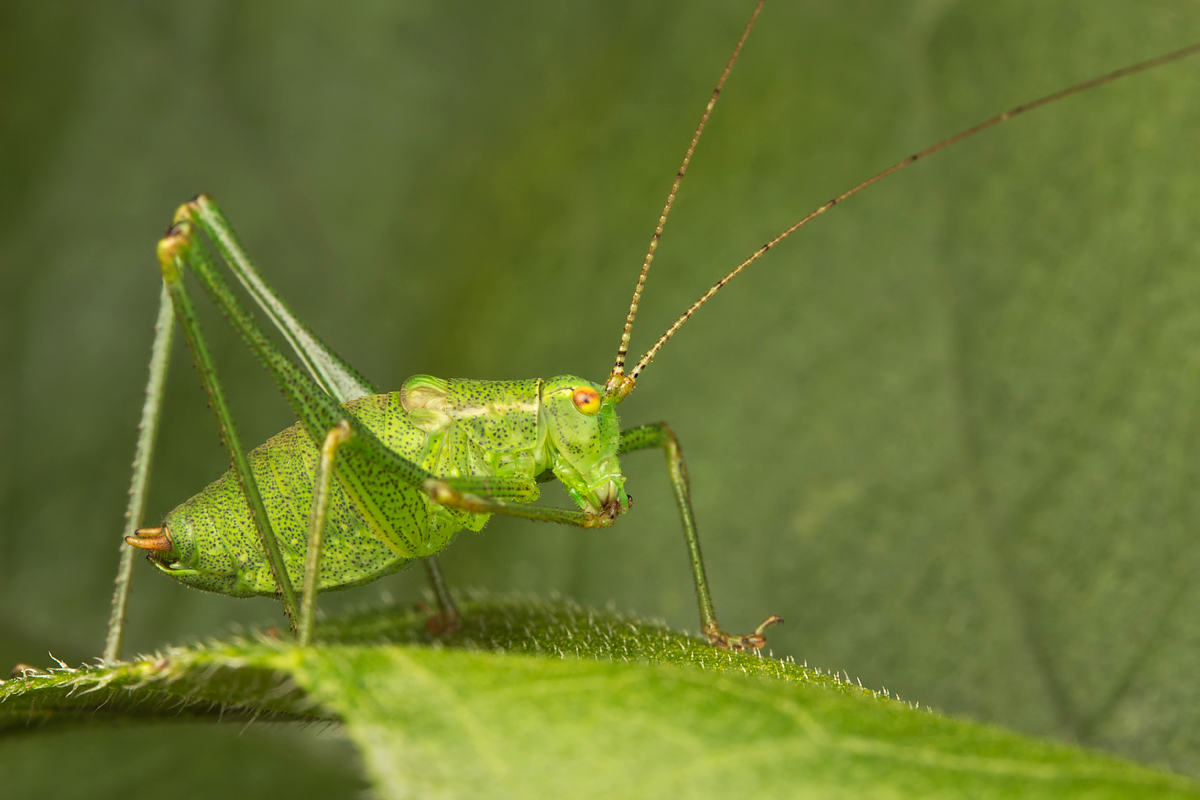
x=216, y=547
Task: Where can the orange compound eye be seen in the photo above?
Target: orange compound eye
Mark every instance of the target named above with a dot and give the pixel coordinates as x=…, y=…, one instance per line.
x=587, y=400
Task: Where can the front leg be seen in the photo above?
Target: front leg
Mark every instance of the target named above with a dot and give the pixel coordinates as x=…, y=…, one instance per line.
x=659, y=435
x=508, y=496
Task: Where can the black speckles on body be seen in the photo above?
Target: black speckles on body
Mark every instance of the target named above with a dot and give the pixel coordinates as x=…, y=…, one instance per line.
x=216, y=539
x=495, y=428
x=499, y=416
x=215, y=536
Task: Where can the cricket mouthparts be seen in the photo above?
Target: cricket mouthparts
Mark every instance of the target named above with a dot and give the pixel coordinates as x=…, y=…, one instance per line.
x=610, y=500
x=157, y=540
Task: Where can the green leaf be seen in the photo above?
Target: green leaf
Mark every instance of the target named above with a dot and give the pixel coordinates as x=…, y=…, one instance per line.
x=946, y=432
x=631, y=711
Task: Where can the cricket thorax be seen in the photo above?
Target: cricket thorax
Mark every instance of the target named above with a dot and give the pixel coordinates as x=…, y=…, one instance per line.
x=477, y=427
x=522, y=428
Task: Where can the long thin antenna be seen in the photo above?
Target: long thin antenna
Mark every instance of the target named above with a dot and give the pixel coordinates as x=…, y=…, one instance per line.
x=624, y=385
x=614, y=380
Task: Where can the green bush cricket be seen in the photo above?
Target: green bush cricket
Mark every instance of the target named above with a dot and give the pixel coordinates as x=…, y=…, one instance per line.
x=469, y=488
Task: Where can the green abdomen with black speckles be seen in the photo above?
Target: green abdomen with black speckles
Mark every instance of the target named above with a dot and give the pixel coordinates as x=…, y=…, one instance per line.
x=218, y=548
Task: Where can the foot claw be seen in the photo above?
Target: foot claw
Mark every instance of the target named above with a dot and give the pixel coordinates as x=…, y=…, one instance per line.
x=440, y=624
x=752, y=641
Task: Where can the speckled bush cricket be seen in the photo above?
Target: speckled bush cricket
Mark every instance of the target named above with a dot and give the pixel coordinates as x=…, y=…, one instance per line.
x=436, y=408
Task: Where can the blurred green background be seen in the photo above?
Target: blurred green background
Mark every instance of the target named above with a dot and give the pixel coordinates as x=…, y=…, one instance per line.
x=948, y=432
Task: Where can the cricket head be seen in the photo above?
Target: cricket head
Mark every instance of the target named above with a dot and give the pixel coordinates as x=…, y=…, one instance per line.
x=582, y=437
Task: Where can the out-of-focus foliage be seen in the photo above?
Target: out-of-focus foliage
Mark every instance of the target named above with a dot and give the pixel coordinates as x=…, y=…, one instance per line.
x=946, y=432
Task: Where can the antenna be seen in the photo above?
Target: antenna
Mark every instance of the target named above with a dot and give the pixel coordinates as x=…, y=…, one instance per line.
x=619, y=385
x=616, y=379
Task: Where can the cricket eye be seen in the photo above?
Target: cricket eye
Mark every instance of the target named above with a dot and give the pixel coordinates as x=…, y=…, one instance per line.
x=587, y=400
